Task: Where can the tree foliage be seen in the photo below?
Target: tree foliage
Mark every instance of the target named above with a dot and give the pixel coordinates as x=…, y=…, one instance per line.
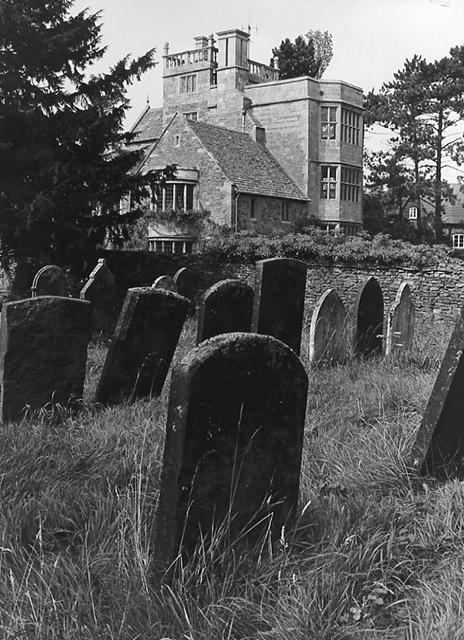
x=309, y=55
x=422, y=107
x=64, y=165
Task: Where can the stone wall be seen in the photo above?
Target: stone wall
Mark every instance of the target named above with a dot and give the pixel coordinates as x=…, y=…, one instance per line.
x=438, y=291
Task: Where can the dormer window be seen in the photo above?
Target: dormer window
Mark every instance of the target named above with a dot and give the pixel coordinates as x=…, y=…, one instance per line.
x=412, y=213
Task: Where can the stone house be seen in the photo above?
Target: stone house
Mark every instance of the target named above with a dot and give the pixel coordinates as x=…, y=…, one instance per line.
x=254, y=151
x=452, y=217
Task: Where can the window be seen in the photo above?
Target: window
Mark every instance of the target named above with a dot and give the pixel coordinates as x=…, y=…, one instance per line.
x=176, y=195
x=328, y=123
x=285, y=212
x=350, y=184
x=458, y=240
x=351, y=126
x=328, y=182
x=412, y=213
x=171, y=246
x=188, y=84
x=252, y=209
x=191, y=115
x=177, y=140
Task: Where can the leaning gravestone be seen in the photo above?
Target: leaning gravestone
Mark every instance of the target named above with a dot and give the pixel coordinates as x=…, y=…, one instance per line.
x=328, y=331
x=400, y=322
x=101, y=291
x=439, y=446
x=50, y=281
x=43, y=353
x=186, y=283
x=280, y=285
x=226, y=307
x=233, y=446
x=166, y=283
x=143, y=344
x=368, y=318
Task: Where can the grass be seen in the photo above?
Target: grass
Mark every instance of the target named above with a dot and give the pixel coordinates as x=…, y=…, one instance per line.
x=375, y=554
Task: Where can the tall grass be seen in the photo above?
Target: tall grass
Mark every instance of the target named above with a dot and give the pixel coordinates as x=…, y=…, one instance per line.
x=375, y=553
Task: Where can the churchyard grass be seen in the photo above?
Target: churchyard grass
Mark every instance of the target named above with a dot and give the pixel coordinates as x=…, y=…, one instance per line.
x=375, y=554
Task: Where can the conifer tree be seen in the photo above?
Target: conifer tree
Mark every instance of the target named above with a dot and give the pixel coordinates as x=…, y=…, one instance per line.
x=309, y=55
x=64, y=165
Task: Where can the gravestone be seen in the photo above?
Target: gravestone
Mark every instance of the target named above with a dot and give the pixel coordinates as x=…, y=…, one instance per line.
x=166, y=283
x=233, y=446
x=50, y=281
x=43, y=353
x=368, y=319
x=439, y=446
x=279, y=300
x=328, y=330
x=226, y=307
x=101, y=291
x=143, y=344
x=400, y=322
x=187, y=283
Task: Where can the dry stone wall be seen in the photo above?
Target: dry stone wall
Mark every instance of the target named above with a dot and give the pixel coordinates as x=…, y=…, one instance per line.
x=435, y=290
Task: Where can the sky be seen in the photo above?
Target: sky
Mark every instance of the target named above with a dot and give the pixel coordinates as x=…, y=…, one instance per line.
x=372, y=39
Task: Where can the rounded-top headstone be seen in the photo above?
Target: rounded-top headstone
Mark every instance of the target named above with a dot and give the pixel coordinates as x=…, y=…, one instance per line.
x=166, y=283
x=400, y=321
x=368, y=318
x=50, y=281
x=328, y=330
x=226, y=307
x=187, y=283
x=234, y=441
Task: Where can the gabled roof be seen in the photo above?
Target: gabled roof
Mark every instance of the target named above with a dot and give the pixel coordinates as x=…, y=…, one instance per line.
x=454, y=213
x=148, y=127
x=247, y=164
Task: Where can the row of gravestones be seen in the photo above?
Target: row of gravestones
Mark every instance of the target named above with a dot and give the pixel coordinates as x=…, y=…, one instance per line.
x=101, y=290
x=237, y=402
x=230, y=306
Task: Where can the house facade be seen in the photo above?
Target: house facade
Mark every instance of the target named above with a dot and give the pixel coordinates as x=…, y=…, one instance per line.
x=253, y=151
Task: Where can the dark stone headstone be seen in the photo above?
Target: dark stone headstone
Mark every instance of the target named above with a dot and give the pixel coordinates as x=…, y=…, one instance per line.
x=50, y=281
x=368, y=319
x=143, y=344
x=233, y=447
x=43, y=353
x=439, y=446
x=165, y=282
x=101, y=291
x=328, y=333
x=186, y=283
x=400, y=322
x=279, y=300
x=226, y=307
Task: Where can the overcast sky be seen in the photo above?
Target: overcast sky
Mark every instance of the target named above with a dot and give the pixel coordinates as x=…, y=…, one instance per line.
x=371, y=38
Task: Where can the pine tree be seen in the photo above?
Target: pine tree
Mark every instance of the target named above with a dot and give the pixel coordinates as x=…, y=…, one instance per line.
x=64, y=165
x=422, y=107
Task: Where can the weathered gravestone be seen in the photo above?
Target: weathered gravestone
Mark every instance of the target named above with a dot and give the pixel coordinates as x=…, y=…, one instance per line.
x=328, y=331
x=186, y=283
x=50, y=281
x=400, y=322
x=43, y=353
x=143, y=344
x=279, y=300
x=226, y=307
x=166, y=283
x=368, y=319
x=439, y=446
x=233, y=446
x=101, y=291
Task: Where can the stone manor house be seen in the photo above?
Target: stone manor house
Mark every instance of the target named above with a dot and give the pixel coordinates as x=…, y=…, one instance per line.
x=253, y=151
